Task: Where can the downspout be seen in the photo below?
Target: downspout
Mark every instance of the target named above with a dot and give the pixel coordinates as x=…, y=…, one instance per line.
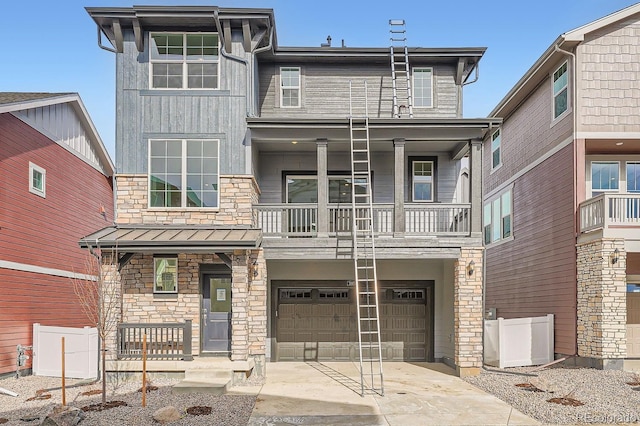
x=100, y=45
x=574, y=99
x=475, y=68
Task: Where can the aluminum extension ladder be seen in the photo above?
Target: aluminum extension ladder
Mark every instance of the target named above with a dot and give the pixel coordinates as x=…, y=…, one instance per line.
x=364, y=253
x=400, y=76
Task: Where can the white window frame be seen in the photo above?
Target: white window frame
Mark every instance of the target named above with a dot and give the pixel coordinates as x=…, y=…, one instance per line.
x=184, y=61
x=626, y=175
x=42, y=192
x=183, y=177
x=621, y=173
x=298, y=87
x=413, y=181
x=555, y=93
x=499, y=148
x=493, y=213
x=155, y=275
x=413, y=77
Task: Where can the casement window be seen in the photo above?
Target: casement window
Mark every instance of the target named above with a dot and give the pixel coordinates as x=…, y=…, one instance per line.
x=605, y=177
x=183, y=173
x=37, y=180
x=184, y=60
x=496, y=150
x=165, y=274
x=498, y=218
x=560, y=90
x=422, y=179
x=423, y=87
x=290, y=87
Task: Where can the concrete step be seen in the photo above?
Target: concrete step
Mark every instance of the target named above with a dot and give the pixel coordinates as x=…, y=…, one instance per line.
x=213, y=387
x=208, y=374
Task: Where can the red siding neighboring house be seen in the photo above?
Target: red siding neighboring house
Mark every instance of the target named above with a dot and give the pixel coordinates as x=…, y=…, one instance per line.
x=55, y=187
x=562, y=193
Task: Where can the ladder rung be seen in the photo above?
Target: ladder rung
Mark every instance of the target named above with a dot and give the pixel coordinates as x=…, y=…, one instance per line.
x=367, y=292
x=368, y=332
x=368, y=319
x=367, y=306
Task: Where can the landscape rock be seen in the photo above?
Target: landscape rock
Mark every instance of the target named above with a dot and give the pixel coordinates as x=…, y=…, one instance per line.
x=166, y=415
x=62, y=415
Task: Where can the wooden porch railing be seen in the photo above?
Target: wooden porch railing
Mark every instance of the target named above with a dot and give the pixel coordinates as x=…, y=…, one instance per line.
x=300, y=220
x=605, y=210
x=164, y=340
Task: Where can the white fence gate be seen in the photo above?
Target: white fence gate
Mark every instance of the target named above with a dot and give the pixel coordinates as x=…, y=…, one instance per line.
x=518, y=342
x=81, y=351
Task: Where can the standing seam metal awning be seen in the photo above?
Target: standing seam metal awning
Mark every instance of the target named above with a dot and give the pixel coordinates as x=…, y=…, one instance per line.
x=170, y=239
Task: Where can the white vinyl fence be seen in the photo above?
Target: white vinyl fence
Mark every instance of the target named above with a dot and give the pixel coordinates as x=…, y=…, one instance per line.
x=81, y=351
x=518, y=342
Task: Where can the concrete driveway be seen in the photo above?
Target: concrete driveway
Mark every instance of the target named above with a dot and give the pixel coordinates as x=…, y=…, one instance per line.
x=328, y=393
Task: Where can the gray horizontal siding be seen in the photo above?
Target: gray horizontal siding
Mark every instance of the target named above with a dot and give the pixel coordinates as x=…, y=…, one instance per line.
x=325, y=91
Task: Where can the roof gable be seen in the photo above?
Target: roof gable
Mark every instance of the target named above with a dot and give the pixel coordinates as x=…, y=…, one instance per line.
x=63, y=118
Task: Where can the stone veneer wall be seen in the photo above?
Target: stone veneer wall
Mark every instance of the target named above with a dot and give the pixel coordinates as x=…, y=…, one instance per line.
x=238, y=194
x=602, y=302
x=249, y=293
x=467, y=311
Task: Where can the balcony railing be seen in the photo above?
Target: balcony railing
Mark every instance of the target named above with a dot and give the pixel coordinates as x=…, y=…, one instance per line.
x=164, y=340
x=301, y=220
x=610, y=210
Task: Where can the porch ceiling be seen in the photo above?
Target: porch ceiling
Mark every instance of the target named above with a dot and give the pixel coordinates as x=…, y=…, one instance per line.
x=612, y=146
x=432, y=134
x=168, y=239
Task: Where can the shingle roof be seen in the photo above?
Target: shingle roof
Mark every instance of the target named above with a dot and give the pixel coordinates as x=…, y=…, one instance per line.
x=15, y=97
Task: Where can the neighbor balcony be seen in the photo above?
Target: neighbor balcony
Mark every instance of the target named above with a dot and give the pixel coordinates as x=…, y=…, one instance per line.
x=611, y=216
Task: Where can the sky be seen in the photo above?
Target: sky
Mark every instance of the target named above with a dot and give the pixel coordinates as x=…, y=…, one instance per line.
x=51, y=45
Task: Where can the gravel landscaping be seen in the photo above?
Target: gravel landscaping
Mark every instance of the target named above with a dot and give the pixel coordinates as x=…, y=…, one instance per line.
x=605, y=395
x=232, y=409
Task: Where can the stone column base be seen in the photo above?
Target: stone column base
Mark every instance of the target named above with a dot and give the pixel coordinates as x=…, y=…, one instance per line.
x=597, y=363
x=467, y=371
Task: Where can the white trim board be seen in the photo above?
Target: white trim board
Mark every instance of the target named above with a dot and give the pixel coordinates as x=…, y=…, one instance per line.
x=25, y=267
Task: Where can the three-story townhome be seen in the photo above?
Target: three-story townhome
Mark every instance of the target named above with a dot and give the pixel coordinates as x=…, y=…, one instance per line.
x=236, y=170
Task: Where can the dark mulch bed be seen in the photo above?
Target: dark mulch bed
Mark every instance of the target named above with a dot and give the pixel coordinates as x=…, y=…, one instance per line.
x=529, y=387
x=199, y=410
x=566, y=401
x=101, y=407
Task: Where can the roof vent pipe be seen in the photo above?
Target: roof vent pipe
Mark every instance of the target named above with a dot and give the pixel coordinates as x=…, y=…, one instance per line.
x=328, y=43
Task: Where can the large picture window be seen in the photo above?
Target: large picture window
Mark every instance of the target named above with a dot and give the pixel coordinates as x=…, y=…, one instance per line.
x=290, y=87
x=423, y=87
x=184, y=60
x=183, y=173
x=498, y=218
x=560, y=90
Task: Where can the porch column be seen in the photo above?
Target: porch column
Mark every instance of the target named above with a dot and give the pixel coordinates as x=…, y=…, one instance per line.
x=322, y=226
x=467, y=311
x=239, y=306
x=257, y=308
x=602, y=303
x=398, y=188
x=475, y=183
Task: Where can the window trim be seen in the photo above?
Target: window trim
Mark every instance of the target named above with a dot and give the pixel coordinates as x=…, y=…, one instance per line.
x=184, y=61
x=299, y=87
x=33, y=189
x=183, y=175
x=608, y=191
x=489, y=202
x=499, y=148
x=155, y=276
x=434, y=174
x=560, y=116
x=413, y=89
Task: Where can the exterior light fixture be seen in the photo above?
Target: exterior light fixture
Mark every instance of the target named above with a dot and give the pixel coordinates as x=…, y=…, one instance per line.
x=254, y=266
x=615, y=256
x=294, y=142
x=471, y=268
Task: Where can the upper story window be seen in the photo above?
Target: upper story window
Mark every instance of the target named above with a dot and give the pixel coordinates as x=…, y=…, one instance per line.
x=184, y=60
x=560, y=90
x=423, y=87
x=183, y=173
x=498, y=218
x=496, y=153
x=290, y=87
x=37, y=180
x=422, y=173
x=605, y=177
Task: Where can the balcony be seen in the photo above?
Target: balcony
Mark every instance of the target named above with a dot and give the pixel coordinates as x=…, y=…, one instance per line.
x=611, y=216
x=304, y=220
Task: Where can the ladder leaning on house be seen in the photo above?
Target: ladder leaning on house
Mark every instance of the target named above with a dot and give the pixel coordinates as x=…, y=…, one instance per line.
x=364, y=253
x=400, y=76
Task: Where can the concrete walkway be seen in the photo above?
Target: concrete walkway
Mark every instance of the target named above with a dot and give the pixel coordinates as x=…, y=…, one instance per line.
x=328, y=393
